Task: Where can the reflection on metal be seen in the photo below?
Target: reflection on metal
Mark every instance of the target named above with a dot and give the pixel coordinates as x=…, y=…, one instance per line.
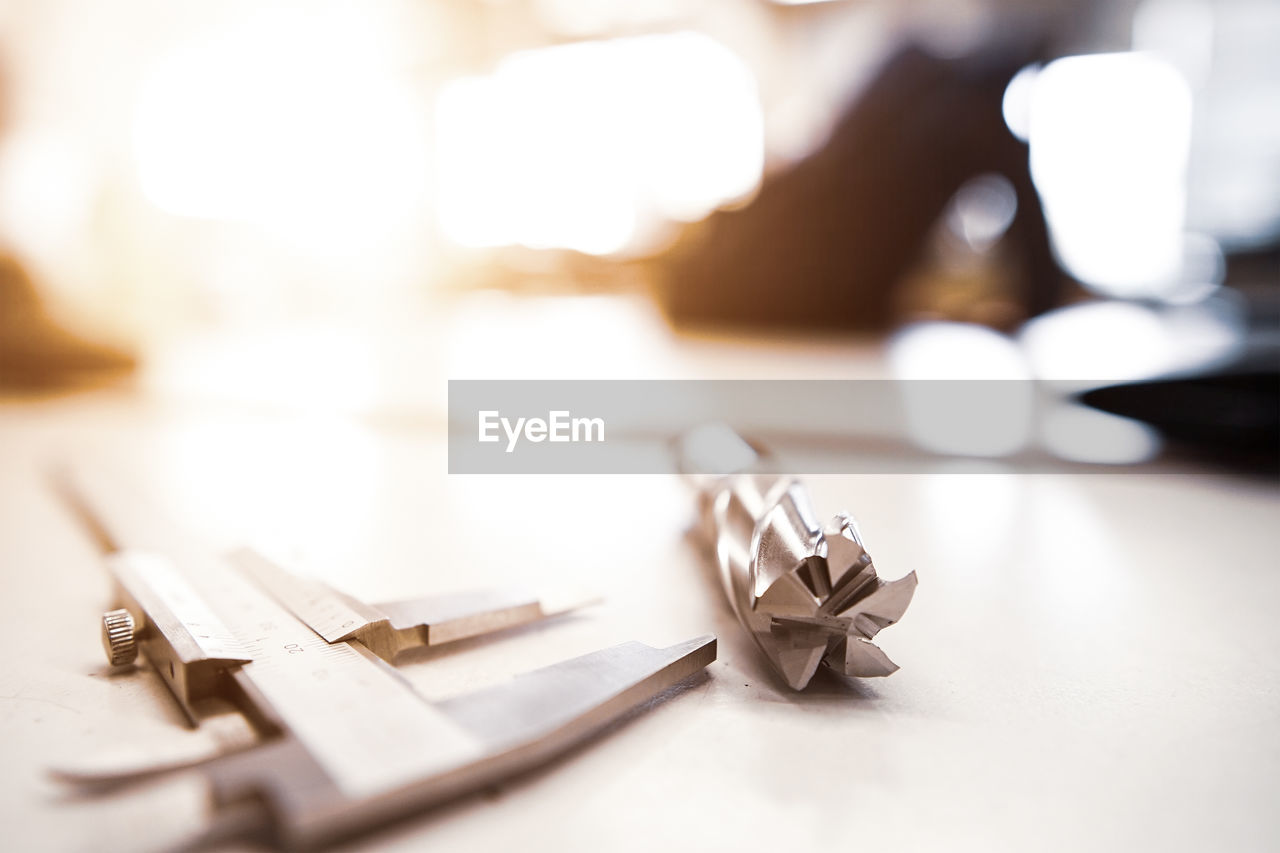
x=807, y=593
x=390, y=628
x=344, y=744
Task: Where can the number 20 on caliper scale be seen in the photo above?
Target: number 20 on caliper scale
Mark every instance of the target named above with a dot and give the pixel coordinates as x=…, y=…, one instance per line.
x=347, y=742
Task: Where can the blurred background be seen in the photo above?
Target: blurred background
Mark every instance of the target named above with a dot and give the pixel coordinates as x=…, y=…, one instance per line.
x=245, y=245
x=334, y=206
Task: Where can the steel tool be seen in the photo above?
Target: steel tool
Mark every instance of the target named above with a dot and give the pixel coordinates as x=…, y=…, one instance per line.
x=807, y=593
x=344, y=742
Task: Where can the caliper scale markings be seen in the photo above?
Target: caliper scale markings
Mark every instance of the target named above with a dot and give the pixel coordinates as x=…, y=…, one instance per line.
x=356, y=745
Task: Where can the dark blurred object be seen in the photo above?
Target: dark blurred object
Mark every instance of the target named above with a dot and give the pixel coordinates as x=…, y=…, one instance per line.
x=1227, y=413
x=825, y=243
x=35, y=352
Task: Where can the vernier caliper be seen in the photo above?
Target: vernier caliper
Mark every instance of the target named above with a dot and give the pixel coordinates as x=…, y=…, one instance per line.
x=346, y=743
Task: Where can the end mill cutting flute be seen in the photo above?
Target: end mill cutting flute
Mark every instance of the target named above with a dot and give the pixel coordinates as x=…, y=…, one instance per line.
x=807, y=593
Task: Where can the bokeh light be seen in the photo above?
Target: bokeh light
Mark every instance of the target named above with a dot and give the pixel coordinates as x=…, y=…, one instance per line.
x=1110, y=135
x=589, y=146
x=321, y=144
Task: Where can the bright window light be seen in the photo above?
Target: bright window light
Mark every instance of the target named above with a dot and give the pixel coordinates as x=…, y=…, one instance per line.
x=585, y=146
x=293, y=120
x=946, y=414
x=1109, y=140
x=1090, y=343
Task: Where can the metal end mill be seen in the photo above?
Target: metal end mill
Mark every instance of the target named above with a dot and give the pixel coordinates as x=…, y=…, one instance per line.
x=807, y=593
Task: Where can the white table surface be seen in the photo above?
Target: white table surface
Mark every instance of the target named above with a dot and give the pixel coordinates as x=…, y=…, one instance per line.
x=1090, y=662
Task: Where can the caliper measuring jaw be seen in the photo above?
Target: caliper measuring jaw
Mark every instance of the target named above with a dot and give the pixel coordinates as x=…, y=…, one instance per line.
x=343, y=743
